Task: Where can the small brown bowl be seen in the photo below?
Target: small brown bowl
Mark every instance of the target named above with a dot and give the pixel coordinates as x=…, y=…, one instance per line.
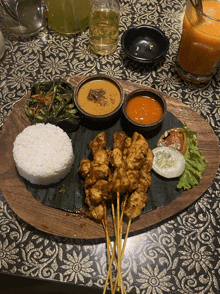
x=139, y=126
x=91, y=104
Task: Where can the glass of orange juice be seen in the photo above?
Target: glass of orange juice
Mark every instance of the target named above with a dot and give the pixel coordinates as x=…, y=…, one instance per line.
x=199, y=50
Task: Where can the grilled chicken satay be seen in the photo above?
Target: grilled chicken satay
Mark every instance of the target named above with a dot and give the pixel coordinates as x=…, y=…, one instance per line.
x=137, y=200
x=99, y=143
x=119, y=139
x=100, y=191
x=127, y=145
x=137, y=152
x=101, y=156
x=98, y=168
x=97, y=176
x=96, y=212
x=144, y=181
x=129, y=156
x=138, y=157
x=84, y=167
x=123, y=180
x=135, y=204
x=148, y=161
x=133, y=177
x=131, y=159
x=120, y=181
x=116, y=158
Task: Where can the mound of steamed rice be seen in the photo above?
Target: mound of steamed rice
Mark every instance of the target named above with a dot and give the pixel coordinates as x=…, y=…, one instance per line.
x=43, y=154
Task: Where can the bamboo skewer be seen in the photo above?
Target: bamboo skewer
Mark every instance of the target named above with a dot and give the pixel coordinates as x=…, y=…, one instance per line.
x=108, y=242
x=126, y=237
x=117, y=223
x=115, y=162
x=113, y=250
x=121, y=252
x=113, y=217
x=108, y=274
x=119, y=241
x=118, y=280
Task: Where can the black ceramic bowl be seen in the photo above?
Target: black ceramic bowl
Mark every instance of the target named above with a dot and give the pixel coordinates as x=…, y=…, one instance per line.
x=139, y=127
x=86, y=112
x=145, y=44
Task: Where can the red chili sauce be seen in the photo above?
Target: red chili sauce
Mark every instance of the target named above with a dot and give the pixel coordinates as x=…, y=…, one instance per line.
x=144, y=109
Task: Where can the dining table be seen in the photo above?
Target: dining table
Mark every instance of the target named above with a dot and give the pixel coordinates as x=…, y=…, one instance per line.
x=174, y=247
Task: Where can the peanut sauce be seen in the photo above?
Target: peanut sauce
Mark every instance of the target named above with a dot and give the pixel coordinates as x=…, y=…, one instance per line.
x=104, y=104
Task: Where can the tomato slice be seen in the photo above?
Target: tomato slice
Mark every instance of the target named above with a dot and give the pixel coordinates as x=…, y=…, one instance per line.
x=175, y=138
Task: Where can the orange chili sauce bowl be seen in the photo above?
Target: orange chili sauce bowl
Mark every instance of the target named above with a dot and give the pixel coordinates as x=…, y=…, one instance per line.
x=94, y=118
x=145, y=127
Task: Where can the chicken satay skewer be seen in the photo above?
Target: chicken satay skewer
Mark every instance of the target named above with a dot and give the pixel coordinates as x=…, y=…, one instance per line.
x=117, y=236
x=120, y=257
x=120, y=185
x=113, y=218
x=113, y=250
x=118, y=280
x=123, y=249
x=126, y=237
x=135, y=152
x=109, y=272
x=112, y=257
x=122, y=252
x=117, y=239
x=110, y=250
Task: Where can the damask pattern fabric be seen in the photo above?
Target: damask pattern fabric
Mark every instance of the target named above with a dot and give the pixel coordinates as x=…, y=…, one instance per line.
x=180, y=255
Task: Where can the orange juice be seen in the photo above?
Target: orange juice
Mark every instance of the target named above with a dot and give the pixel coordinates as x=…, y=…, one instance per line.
x=199, y=51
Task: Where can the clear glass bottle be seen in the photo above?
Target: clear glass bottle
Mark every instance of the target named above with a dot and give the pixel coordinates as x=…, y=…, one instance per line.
x=104, y=26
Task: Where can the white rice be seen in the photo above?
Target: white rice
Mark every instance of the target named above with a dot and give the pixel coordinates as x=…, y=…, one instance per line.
x=43, y=154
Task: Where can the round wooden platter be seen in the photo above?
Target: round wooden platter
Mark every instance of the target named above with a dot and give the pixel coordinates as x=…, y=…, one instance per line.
x=65, y=224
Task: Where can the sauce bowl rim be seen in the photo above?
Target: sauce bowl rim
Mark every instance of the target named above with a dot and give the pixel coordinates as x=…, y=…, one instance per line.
x=96, y=77
x=139, y=92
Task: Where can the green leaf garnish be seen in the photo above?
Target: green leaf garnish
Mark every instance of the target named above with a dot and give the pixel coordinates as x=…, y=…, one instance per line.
x=195, y=162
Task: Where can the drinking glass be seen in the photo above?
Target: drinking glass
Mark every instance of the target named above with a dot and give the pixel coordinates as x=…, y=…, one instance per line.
x=2, y=45
x=23, y=18
x=68, y=17
x=104, y=26
x=199, y=50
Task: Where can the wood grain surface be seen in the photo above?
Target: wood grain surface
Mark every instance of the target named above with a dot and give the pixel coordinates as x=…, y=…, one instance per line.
x=64, y=224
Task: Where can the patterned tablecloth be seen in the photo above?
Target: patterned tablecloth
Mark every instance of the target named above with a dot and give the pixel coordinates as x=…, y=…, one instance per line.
x=180, y=255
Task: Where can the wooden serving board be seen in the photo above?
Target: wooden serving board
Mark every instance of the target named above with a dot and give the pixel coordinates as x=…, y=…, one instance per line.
x=61, y=223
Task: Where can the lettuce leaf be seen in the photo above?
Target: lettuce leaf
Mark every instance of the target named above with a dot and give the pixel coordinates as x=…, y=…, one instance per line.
x=195, y=162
